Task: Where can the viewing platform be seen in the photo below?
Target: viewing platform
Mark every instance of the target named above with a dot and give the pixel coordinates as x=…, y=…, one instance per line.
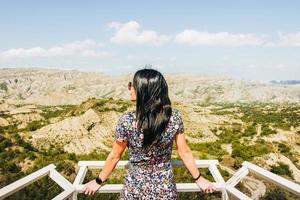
x=228, y=189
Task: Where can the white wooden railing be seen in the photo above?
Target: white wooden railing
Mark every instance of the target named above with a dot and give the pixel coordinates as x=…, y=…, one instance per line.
x=227, y=188
x=261, y=173
x=48, y=170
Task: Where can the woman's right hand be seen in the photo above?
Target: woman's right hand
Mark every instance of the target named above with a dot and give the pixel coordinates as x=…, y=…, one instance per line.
x=205, y=185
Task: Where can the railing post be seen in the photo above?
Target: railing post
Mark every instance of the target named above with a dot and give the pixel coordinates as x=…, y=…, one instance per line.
x=218, y=177
x=79, y=179
x=234, y=180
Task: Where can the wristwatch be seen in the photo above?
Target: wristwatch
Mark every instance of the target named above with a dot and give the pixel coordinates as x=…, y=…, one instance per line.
x=195, y=179
x=99, y=181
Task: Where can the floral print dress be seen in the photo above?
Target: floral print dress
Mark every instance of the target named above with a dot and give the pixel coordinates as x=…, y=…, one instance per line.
x=150, y=173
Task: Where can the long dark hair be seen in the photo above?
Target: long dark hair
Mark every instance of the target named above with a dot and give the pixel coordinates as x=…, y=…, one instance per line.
x=153, y=106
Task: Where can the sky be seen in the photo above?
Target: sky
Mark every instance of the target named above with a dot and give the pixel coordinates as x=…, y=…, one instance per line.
x=250, y=40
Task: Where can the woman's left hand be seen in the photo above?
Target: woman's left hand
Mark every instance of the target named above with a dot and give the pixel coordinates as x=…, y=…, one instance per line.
x=91, y=187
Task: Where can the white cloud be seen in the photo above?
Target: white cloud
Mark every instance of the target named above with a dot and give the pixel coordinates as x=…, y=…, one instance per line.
x=151, y=58
x=197, y=38
x=130, y=33
x=286, y=40
x=131, y=57
x=85, y=48
x=172, y=59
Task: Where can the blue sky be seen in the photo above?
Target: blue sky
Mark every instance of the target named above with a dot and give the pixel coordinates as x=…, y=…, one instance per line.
x=258, y=40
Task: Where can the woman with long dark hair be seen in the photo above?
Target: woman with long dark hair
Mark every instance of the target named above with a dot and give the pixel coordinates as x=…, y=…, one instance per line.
x=149, y=132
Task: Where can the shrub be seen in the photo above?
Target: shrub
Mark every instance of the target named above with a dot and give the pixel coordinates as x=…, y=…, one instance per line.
x=5, y=143
x=34, y=125
x=281, y=169
x=248, y=152
x=250, y=131
x=265, y=130
x=66, y=167
x=210, y=148
x=11, y=167
x=275, y=194
x=3, y=86
x=50, y=112
x=229, y=135
x=283, y=148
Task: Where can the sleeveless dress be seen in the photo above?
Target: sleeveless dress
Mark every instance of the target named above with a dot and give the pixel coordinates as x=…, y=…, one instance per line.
x=150, y=173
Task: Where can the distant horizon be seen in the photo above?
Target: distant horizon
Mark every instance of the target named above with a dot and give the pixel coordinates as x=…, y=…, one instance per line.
x=130, y=73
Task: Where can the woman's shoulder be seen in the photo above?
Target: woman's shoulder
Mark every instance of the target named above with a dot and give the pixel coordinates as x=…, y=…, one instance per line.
x=176, y=112
x=125, y=115
x=131, y=114
x=128, y=115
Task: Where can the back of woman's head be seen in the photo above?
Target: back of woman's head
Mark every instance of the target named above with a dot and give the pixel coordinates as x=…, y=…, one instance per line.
x=153, y=106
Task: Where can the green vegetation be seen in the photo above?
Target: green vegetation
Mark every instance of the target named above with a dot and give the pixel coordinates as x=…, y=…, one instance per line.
x=250, y=131
x=45, y=188
x=281, y=116
x=266, y=130
x=69, y=87
x=284, y=116
x=222, y=109
x=14, y=150
x=248, y=152
x=269, y=116
x=281, y=169
x=209, y=148
x=52, y=112
x=3, y=86
x=275, y=194
x=101, y=105
x=34, y=125
x=229, y=135
x=284, y=149
x=3, y=115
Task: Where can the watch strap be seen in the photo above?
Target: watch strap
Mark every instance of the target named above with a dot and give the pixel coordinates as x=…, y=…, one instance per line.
x=195, y=179
x=99, y=180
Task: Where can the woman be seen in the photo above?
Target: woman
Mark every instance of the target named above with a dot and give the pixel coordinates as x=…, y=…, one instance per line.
x=149, y=132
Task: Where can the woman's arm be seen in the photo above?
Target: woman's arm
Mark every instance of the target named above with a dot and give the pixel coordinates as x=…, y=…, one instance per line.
x=185, y=154
x=188, y=159
x=111, y=161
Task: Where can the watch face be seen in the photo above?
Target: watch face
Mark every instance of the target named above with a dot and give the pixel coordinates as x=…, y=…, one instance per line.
x=98, y=180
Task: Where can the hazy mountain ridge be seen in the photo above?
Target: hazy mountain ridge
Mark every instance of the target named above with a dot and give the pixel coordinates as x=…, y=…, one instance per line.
x=60, y=87
x=286, y=82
